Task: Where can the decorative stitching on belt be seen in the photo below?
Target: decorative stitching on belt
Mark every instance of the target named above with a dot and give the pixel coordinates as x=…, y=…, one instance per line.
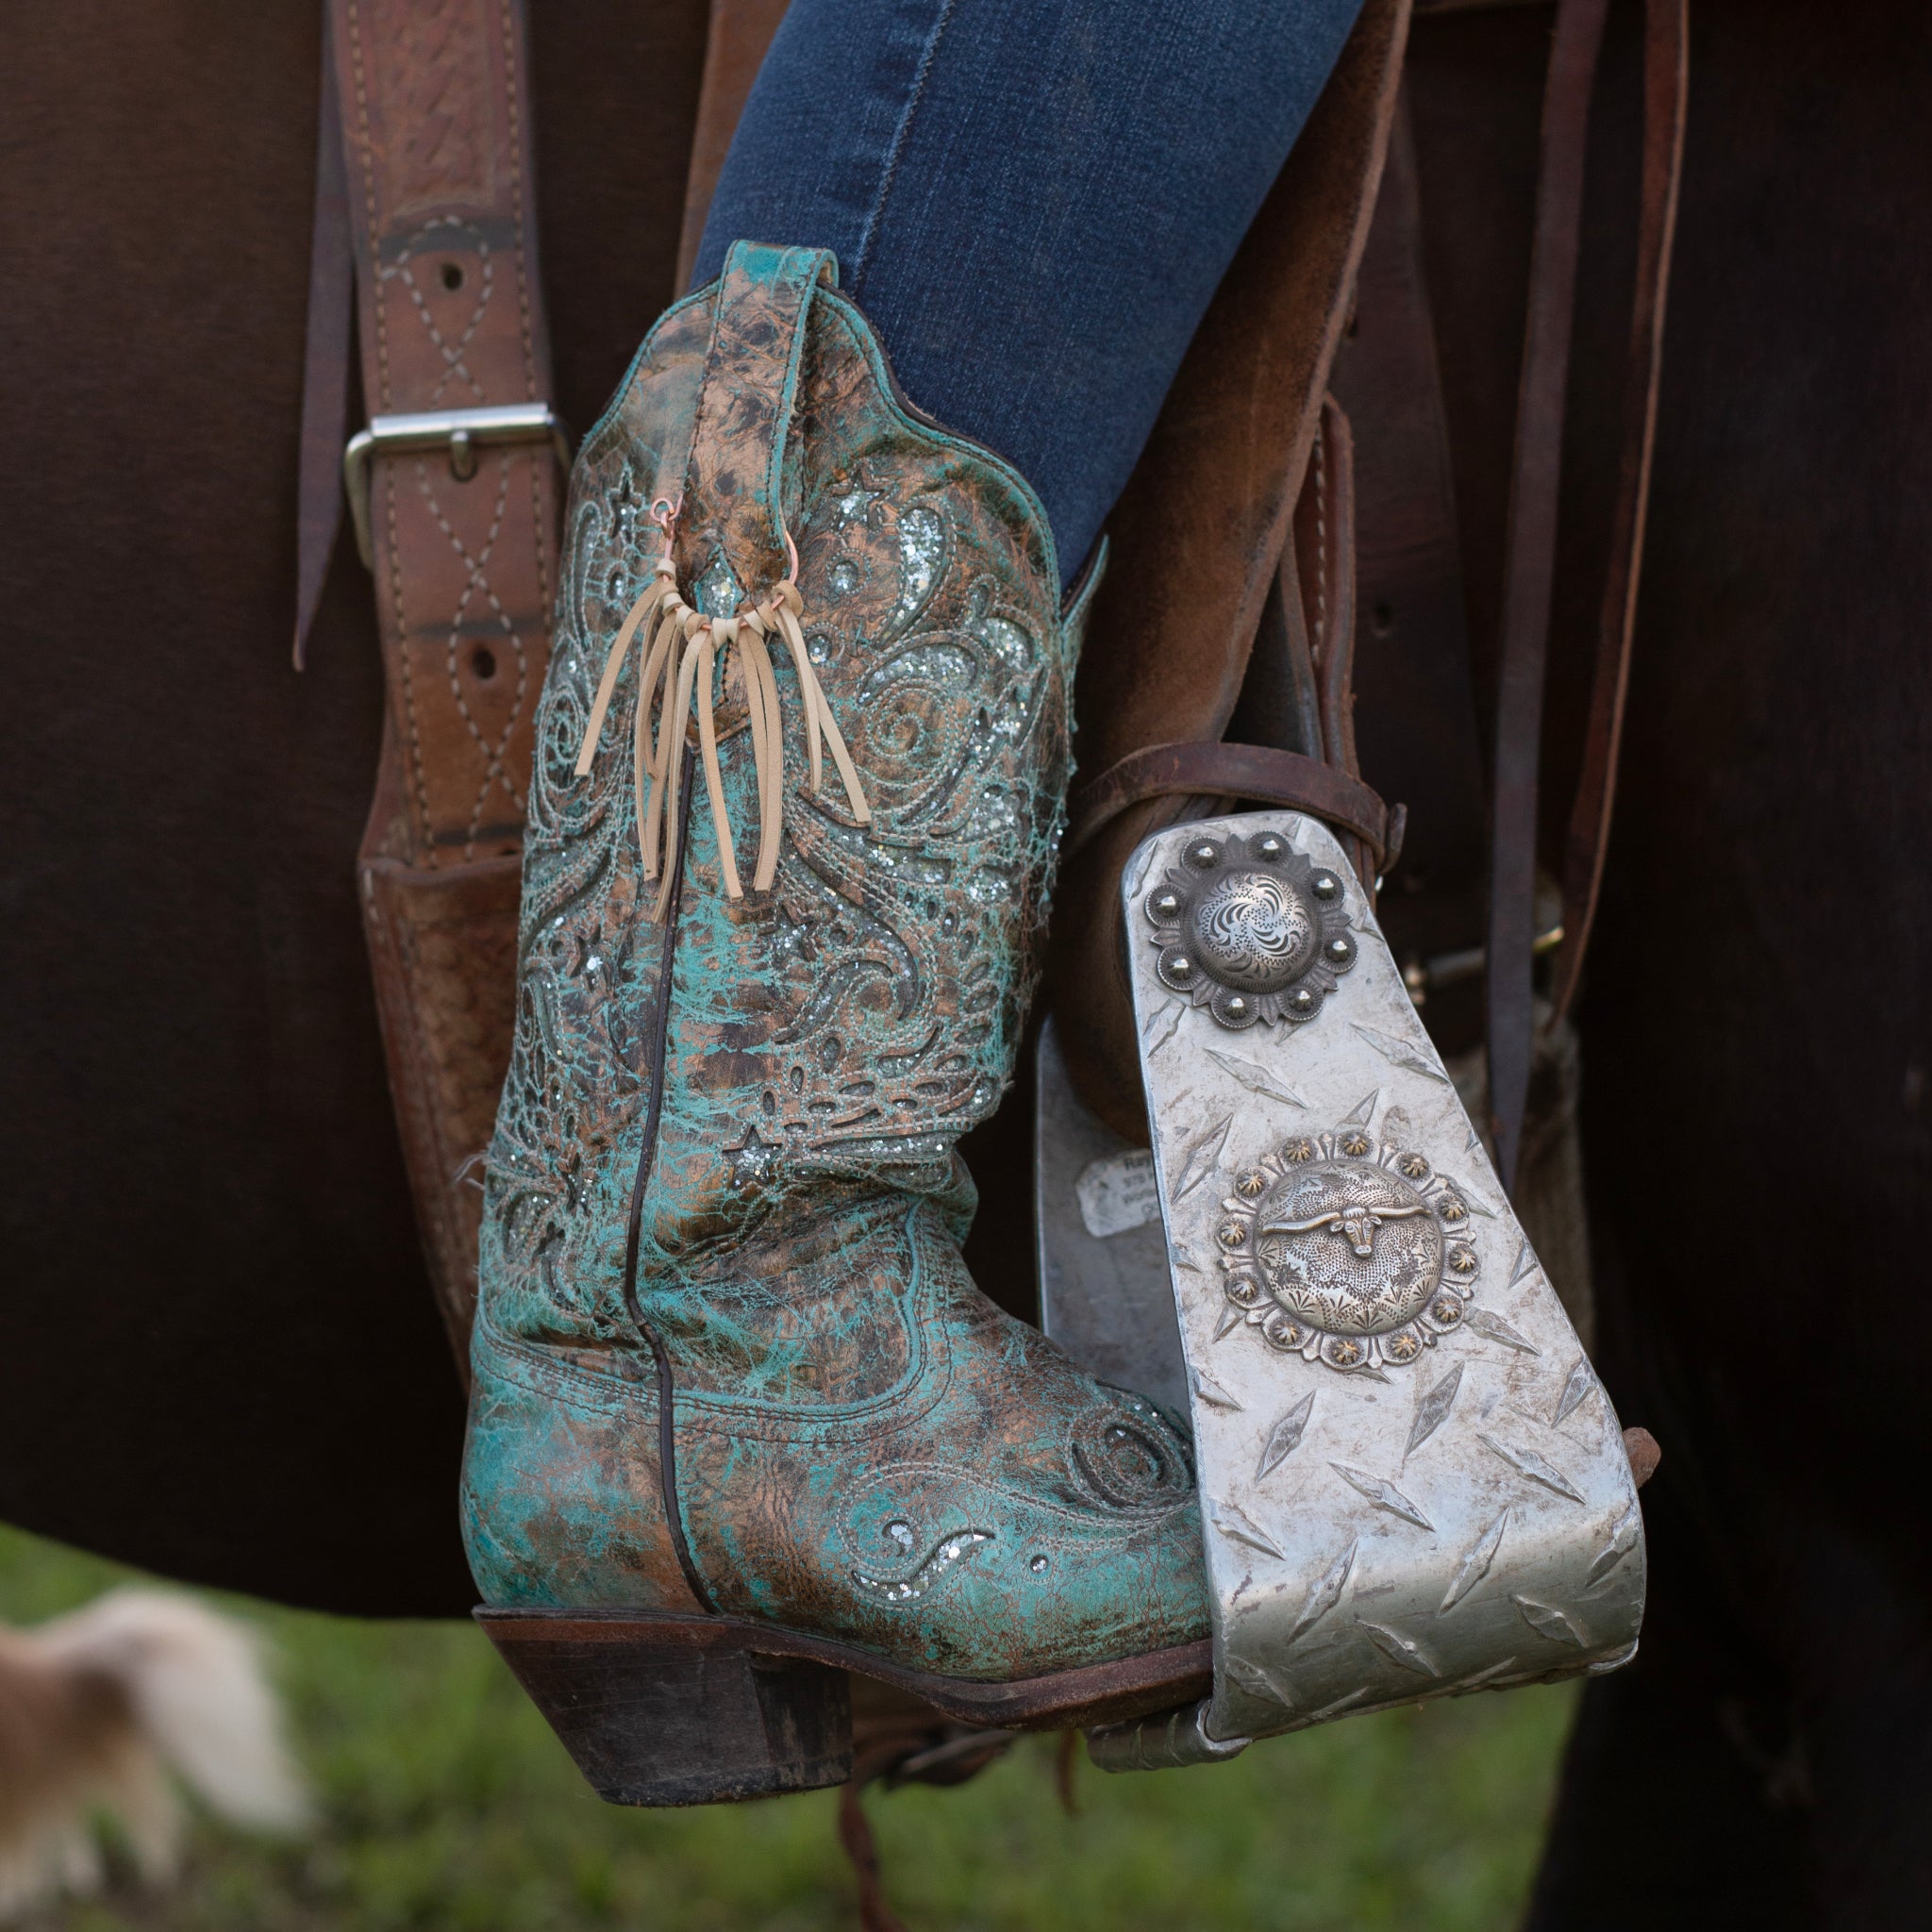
x=516, y=194
x=452, y=356
x=368, y=186
x=473, y=571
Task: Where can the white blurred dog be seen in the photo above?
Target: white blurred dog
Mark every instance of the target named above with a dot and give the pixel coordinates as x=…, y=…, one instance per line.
x=99, y=1707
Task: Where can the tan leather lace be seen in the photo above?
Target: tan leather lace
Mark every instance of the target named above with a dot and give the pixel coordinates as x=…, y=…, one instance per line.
x=679, y=674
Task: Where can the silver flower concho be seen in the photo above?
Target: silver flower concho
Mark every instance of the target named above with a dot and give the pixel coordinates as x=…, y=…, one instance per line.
x=1251, y=929
x=1344, y=1249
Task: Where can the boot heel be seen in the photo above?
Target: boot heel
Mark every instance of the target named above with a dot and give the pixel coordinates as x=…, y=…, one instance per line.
x=654, y=1722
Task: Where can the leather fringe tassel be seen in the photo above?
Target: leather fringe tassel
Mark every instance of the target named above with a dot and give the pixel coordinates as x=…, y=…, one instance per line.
x=678, y=676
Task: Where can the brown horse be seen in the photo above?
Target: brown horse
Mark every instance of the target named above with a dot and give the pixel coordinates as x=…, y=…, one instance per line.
x=221, y=1356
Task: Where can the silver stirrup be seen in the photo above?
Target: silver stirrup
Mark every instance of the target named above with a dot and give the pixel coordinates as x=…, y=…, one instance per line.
x=1412, y=1483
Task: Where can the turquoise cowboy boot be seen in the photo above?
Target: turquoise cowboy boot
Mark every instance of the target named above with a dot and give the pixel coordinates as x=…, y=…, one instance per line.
x=741, y=1420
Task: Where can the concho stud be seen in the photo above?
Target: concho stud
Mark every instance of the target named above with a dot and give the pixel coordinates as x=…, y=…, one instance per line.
x=1250, y=930
x=1346, y=1250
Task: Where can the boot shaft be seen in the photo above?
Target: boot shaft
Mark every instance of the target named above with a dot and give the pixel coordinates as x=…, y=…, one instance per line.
x=789, y=1062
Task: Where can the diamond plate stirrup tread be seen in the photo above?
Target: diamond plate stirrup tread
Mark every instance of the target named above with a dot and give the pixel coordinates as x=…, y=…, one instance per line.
x=1414, y=1483
x=739, y=1418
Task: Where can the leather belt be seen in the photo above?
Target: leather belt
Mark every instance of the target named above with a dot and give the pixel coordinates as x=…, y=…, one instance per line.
x=1257, y=772
x=457, y=492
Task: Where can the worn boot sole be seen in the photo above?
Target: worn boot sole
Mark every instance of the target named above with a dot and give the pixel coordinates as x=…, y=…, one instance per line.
x=667, y=1710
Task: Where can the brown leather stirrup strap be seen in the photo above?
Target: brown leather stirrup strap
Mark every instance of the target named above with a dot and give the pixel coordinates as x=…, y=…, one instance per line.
x=1230, y=465
x=1530, y=562
x=1309, y=667
x=1666, y=81
x=456, y=492
x=1416, y=683
x=1219, y=770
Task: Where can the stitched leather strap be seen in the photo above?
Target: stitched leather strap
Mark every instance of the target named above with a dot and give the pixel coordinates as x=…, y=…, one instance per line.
x=1323, y=547
x=441, y=200
x=1529, y=565
x=1212, y=498
x=435, y=115
x=1237, y=771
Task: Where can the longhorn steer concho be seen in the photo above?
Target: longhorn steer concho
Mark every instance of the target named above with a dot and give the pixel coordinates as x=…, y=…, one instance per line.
x=1412, y=1484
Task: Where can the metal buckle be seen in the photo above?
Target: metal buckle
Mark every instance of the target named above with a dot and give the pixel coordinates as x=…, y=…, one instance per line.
x=461, y=432
x=1412, y=1483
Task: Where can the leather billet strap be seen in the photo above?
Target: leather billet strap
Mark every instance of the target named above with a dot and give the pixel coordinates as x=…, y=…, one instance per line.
x=1529, y=563
x=1257, y=772
x=1529, y=560
x=1666, y=81
x=435, y=134
x=1323, y=556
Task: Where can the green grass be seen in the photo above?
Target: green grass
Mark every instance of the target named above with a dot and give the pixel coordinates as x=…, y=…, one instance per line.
x=446, y=1804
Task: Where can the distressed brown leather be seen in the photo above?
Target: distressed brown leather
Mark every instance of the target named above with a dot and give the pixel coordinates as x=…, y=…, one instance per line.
x=435, y=106
x=1198, y=534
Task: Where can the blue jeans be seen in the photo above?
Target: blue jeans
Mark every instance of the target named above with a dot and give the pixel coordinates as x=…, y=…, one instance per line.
x=1034, y=200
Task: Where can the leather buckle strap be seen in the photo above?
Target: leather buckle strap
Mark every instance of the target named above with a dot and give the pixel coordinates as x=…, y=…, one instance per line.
x=461, y=432
x=450, y=315
x=458, y=506
x=1255, y=772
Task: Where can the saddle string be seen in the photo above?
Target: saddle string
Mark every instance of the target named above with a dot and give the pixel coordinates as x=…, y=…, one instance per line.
x=678, y=677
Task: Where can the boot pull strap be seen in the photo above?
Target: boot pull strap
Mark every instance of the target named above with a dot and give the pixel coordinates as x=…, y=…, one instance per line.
x=732, y=507
x=734, y=485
